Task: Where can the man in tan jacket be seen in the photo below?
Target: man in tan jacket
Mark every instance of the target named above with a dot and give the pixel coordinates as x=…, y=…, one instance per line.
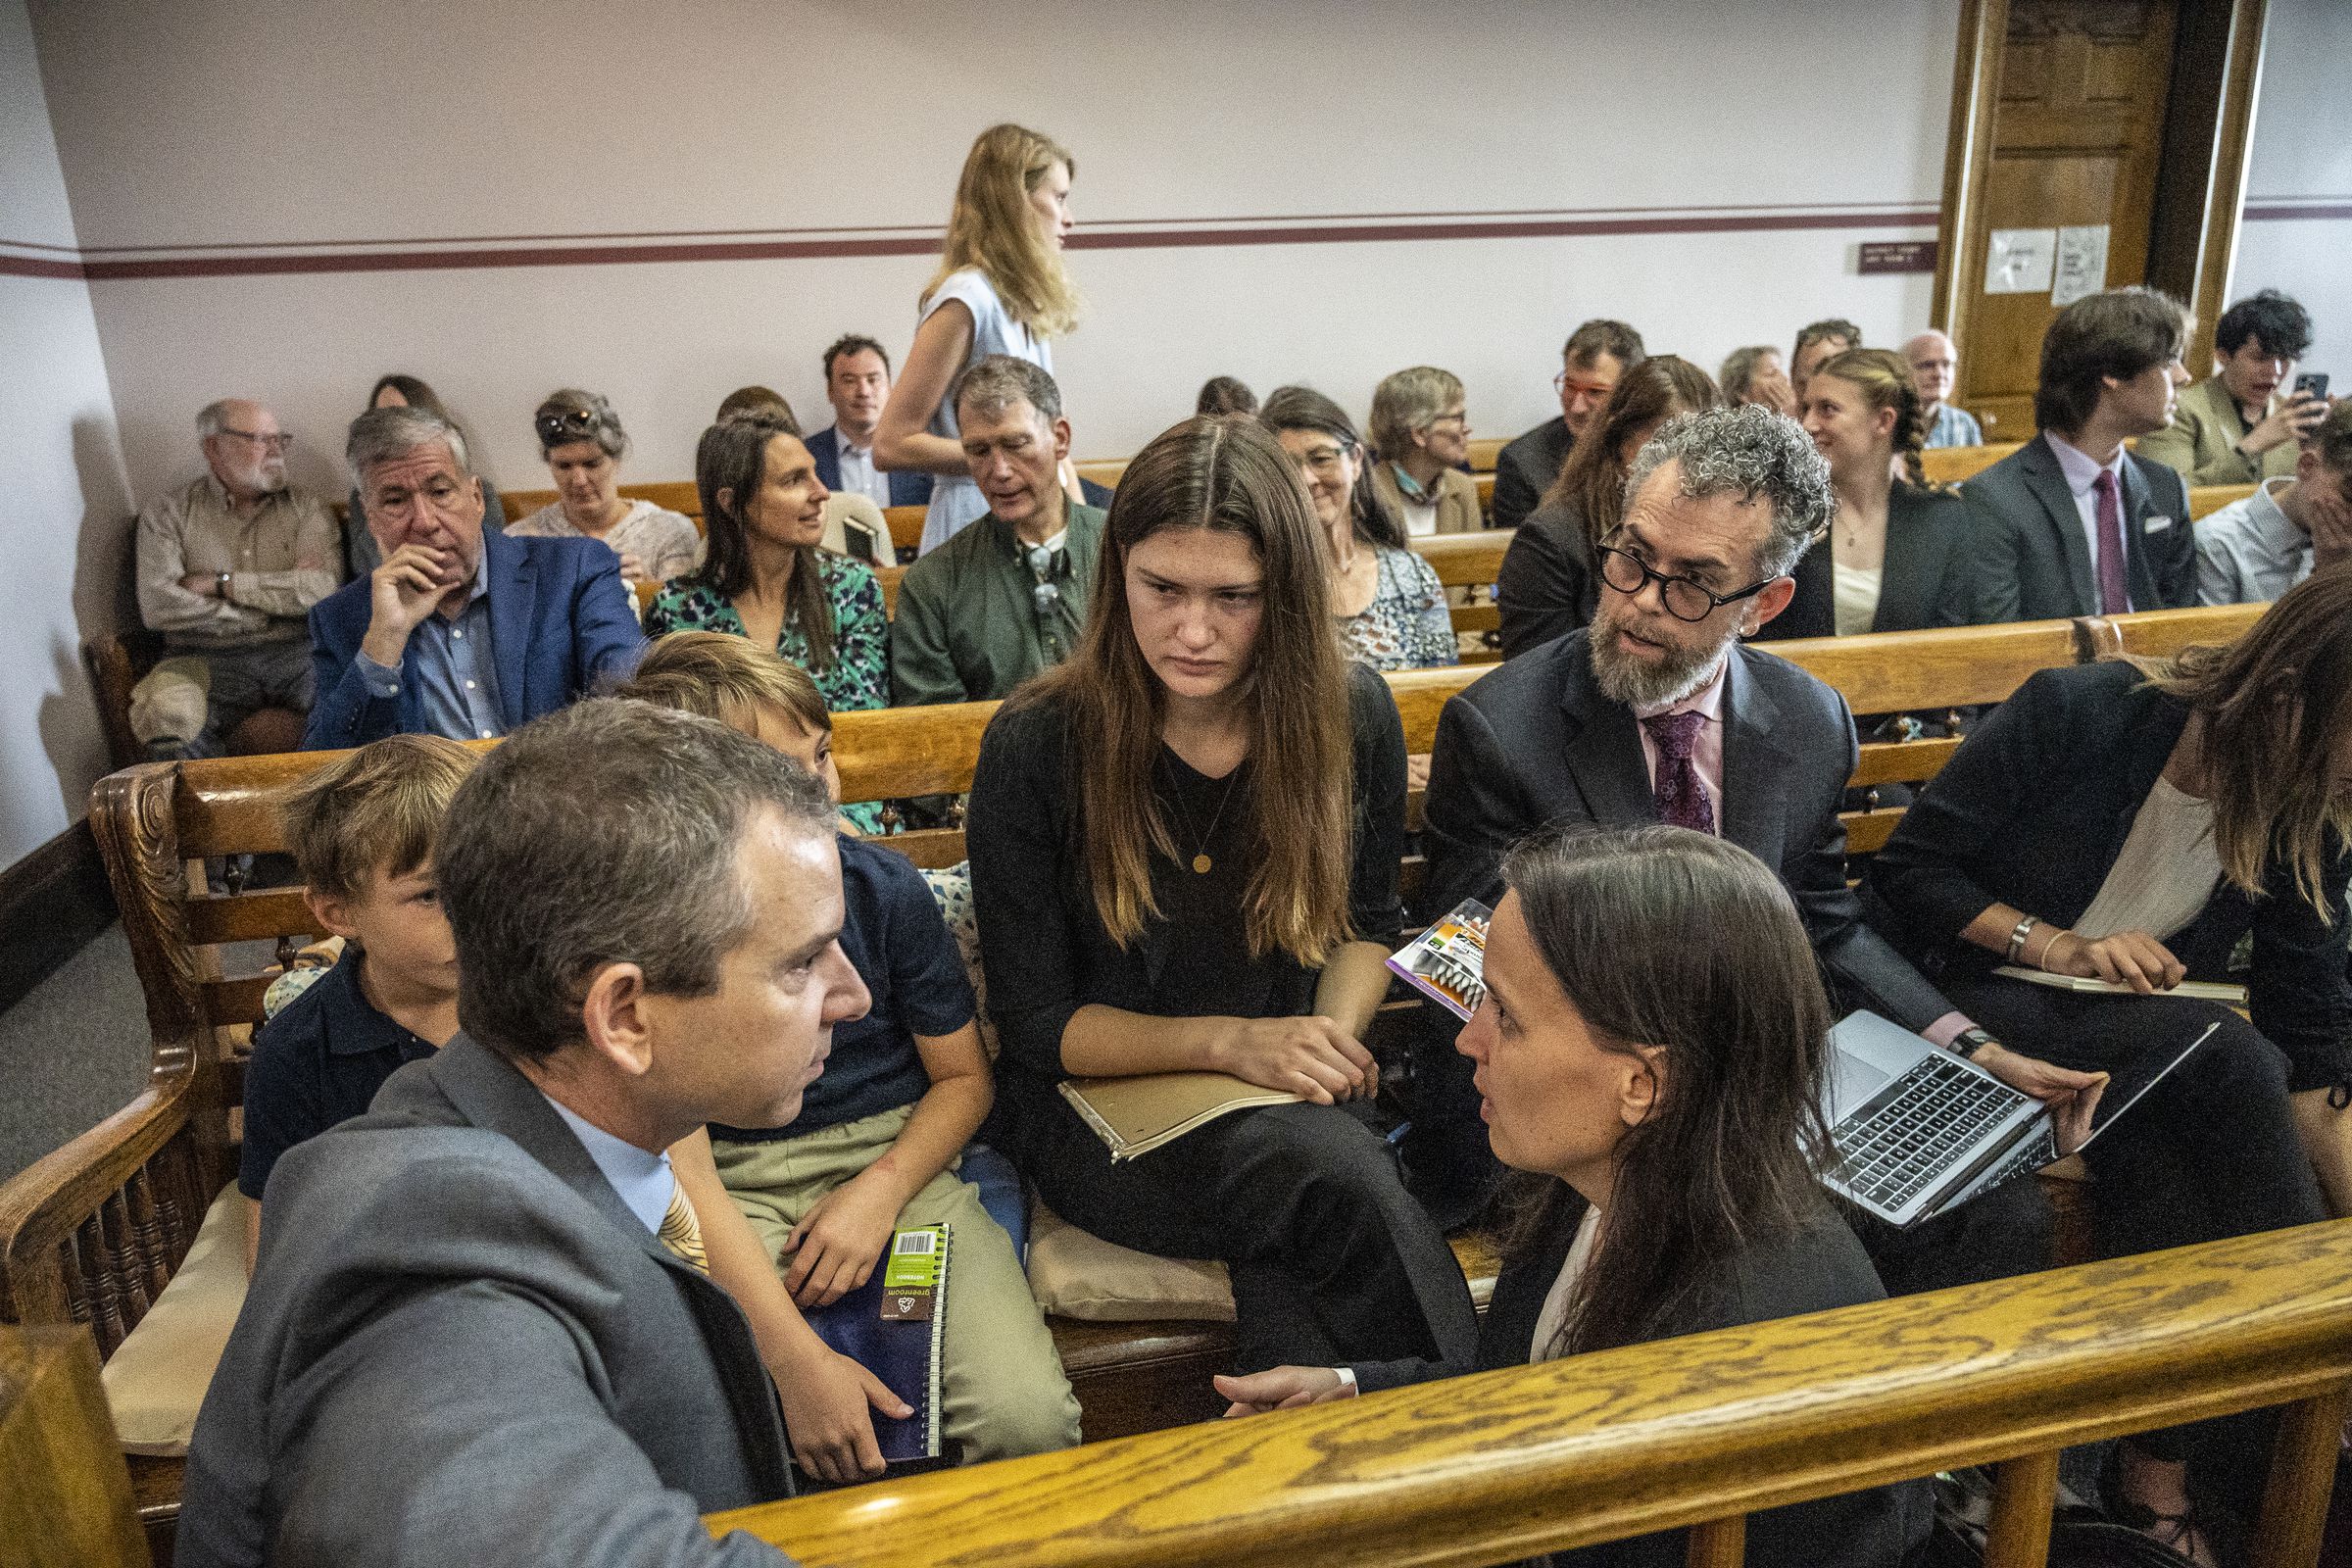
x=2235, y=427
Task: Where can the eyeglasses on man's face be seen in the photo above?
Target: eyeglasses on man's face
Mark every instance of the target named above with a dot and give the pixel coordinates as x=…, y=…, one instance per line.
x=1685, y=598
x=279, y=441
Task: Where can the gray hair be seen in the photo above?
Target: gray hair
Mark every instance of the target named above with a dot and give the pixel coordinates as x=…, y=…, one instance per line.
x=996, y=382
x=381, y=434
x=213, y=418
x=605, y=833
x=1407, y=402
x=1750, y=452
x=578, y=415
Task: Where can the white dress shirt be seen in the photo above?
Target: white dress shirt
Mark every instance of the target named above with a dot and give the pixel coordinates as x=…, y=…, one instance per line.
x=858, y=476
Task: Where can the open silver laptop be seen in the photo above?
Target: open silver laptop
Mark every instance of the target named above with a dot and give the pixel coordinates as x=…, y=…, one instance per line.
x=1919, y=1130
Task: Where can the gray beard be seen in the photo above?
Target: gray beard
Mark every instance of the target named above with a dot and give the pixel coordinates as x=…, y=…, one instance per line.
x=1623, y=678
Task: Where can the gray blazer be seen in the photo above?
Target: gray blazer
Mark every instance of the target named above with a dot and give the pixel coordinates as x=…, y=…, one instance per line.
x=1536, y=741
x=2030, y=560
x=460, y=1347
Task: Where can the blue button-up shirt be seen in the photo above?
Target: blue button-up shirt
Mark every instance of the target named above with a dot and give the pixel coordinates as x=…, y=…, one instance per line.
x=455, y=671
x=1954, y=427
x=644, y=1181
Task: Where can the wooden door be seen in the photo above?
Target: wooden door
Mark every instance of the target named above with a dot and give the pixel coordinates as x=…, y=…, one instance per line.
x=2062, y=128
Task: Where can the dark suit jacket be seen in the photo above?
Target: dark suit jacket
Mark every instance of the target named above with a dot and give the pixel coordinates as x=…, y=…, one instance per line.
x=1815, y=1270
x=1926, y=580
x=2031, y=560
x=2032, y=812
x=909, y=487
x=460, y=1347
x=1535, y=742
x=1548, y=586
x=1525, y=469
x=561, y=622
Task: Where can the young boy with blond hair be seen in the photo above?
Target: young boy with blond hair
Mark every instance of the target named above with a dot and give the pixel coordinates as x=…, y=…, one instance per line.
x=361, y=832
x=879, y=1136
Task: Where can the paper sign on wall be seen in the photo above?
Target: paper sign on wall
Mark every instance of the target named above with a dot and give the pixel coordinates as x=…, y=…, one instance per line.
x=2020, y=260
x=2081, y=264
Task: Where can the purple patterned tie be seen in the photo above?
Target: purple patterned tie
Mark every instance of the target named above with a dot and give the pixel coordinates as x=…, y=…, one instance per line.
x=2114, y=598
x=1681, y=795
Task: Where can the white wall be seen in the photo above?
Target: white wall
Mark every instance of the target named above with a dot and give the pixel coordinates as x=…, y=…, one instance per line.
x=64, y=497
x=2301, y=162
x=323, y=131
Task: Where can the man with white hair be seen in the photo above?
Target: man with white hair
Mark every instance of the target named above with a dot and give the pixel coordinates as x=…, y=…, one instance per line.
x=1935, y=370
x=228, y=566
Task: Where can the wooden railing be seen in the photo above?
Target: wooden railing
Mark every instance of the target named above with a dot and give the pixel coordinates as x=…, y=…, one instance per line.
x=1696, y=1431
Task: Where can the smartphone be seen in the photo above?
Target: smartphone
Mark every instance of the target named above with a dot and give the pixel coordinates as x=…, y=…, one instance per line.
x=2313, y=382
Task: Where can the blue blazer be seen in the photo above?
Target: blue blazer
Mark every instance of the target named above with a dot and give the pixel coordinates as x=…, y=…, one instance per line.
x=906, y=489
x=561, y=622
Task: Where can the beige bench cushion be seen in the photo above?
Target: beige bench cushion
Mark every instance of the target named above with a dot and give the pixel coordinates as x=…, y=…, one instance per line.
x=156, y=1379
x=1077, y=1274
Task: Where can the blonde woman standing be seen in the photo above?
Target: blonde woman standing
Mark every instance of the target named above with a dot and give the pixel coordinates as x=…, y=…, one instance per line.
x=999, y=289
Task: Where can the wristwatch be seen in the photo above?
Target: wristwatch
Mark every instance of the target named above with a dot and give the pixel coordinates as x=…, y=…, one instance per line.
x=1968, y=1042
x=221, y=585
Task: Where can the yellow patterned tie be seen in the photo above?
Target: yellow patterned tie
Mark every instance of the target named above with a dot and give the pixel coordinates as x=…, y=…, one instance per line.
x=681, y=1233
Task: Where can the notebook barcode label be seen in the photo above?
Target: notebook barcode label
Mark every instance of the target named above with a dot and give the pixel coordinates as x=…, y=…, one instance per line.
x=916, y=1243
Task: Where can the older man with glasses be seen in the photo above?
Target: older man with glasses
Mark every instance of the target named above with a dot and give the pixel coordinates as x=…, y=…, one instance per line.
x=1661, y=713
x=1007, y=597
x=228, y=566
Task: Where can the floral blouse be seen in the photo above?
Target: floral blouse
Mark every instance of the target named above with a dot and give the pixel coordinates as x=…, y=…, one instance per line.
x=861, y=674
x=1406, y=626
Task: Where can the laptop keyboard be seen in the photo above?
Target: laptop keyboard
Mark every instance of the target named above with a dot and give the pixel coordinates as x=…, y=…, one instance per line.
x=1908, y=1136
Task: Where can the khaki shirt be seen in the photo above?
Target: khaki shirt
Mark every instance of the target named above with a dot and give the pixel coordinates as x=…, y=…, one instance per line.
x=282, y=558
x=2203, y=439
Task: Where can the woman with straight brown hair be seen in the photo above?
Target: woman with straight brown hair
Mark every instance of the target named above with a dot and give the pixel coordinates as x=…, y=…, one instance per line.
x=1650, y=1052
x=1184, y=844
x=2131, y=825
x=1548, y=586
x=999, y=289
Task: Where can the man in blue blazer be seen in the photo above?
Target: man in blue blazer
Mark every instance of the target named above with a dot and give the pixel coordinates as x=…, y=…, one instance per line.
x=858, y=384
x=459, y=633
x=2072, y=523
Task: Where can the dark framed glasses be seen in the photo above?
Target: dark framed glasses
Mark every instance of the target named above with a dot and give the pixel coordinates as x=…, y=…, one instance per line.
x=1685, y=598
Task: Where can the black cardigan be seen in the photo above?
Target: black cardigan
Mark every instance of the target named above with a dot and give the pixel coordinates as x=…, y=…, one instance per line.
x=2032, y=812
x=1043, y=948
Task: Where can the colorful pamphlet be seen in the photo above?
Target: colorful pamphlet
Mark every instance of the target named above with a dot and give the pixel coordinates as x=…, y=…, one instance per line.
x=1447, y=961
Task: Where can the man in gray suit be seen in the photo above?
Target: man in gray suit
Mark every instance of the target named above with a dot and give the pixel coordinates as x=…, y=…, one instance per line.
x=478, y=1331
x=1660, y=714
x=2072, y=523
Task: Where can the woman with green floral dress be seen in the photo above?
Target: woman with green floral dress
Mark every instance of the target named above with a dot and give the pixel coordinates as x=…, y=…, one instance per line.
x=765, y=576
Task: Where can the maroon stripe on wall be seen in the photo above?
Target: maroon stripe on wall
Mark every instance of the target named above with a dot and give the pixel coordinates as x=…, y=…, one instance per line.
x=99, y=267
x=2323, y=210
x=40, y=266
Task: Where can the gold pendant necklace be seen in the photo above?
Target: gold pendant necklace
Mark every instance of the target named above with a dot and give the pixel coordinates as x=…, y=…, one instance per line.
x=1201, y=863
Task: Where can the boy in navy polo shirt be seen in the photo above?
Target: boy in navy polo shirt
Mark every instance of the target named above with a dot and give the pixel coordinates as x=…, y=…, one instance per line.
x=361, y=832
x=879, y=1135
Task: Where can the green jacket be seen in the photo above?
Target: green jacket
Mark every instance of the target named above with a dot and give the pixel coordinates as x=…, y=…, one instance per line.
x=969, y=626
x=2203, y=439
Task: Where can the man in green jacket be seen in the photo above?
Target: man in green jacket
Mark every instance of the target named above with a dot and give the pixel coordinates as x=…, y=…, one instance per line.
x=1007, y=597
x=2234, y=427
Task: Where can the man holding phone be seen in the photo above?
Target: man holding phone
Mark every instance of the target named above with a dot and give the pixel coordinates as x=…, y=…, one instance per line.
x=2245, y=424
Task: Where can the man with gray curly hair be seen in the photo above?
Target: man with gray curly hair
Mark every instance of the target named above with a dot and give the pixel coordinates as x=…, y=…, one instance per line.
x=1659, y=713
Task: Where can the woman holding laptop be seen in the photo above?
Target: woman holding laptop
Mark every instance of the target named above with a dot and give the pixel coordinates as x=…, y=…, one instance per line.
x=2129, y=825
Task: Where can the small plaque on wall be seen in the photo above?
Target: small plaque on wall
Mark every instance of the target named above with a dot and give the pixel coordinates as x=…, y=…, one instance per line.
x=2019, y=261
x=1898, y=256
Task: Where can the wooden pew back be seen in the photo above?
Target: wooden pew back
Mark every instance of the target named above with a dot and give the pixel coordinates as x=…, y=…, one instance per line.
x=670, y=495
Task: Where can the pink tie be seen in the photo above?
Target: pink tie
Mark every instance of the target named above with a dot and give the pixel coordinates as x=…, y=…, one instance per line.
x=1681, y=795
x=2114, y=598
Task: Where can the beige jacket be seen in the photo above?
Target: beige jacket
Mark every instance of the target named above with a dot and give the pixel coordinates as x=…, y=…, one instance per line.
x=1457, y=498
x=2203, y=439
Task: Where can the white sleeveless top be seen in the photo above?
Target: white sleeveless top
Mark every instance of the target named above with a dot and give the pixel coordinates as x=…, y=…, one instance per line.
x=2165, y=873
x=955, y=499
x=1857, y=598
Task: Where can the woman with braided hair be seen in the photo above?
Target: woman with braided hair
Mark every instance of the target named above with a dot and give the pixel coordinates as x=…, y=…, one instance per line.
x=1897, y=557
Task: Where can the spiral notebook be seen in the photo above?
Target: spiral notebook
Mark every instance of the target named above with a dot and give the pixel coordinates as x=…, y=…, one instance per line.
x=893, y=1325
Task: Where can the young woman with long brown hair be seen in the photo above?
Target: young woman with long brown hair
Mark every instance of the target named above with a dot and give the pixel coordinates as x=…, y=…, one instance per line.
x=1184, y=844
x=2130, y=824
x=1548, y=586
x=1649, y=1052
x=999, y=289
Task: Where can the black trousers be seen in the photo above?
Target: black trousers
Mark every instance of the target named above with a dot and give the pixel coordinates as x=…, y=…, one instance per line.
x=1332, y=1261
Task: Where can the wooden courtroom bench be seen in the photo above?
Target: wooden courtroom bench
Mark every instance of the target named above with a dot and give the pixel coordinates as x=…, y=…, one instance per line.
x=91, y=1233
x=1956, y=465
x=670, y=495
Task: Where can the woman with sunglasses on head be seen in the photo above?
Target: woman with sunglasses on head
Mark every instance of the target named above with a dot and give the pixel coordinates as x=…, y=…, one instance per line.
x=1386, y=600
x=999, y=289
x=397, y=391
x=2133, y=823
x=1649, y=1052
x=1898, y=548
x=766, y=577
x=1184, y=844
x=583, y=443
x=1547, y=587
